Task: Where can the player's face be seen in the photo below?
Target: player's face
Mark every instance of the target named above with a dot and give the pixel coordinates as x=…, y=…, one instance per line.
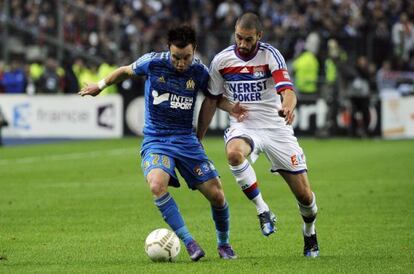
x=246, y=39
x=182, y=58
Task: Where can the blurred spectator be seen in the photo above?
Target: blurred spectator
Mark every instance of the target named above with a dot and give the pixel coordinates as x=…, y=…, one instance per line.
x=89, y=74
x=36, y=70
x=49, y=81
x=226, y=7
x=306, y=66
x=359, y=92
x=330, y=88
x=70, y=81
x=403, y=38
x=78, y=69
x=14, y=79
x=384, y=79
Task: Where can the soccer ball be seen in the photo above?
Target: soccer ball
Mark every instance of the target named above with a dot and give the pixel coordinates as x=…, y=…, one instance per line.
x=162, y=245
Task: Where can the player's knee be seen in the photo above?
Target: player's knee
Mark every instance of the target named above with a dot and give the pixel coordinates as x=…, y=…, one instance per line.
x=218, y=199
x=305, y=198
x=157, y=187
x=235, y=157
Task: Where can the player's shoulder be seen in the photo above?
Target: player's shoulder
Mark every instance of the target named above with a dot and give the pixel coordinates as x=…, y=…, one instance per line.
x=199, y=65
x=150, y=57
x=223, y=55
x=226, y=51
x=268, y=48
x=271, y=53
x=159, y=56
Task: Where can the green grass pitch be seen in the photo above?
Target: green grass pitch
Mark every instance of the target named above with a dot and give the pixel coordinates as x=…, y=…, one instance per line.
x=84, y=207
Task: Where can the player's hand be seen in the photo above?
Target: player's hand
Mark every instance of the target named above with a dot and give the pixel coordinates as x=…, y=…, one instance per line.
x=239, y=112
x=288, y=114
x=91, y=89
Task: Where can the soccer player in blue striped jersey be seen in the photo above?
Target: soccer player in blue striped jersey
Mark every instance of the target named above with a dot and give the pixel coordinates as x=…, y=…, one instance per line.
x=173, y=80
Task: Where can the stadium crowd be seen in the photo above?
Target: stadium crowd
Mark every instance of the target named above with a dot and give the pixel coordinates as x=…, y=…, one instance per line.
x=119, y=31
x=345, y=45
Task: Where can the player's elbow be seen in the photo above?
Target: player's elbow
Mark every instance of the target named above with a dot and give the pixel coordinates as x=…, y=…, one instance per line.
x=125, y=70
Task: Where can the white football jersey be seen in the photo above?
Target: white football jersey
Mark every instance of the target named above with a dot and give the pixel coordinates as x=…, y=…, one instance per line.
x=253, y=82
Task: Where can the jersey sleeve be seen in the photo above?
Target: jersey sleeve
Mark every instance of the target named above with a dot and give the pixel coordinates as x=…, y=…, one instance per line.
x=278, y=68
x=141, y=65
x=216, y=81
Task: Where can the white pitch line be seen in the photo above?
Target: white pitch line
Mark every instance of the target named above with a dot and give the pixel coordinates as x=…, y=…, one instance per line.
x=69, y=156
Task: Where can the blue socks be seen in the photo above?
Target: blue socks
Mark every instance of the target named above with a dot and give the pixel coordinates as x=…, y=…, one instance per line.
x=221, y=219
x=172, y=217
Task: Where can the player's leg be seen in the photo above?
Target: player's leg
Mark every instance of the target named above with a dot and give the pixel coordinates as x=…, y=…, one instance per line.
x=299, y=184
x=237, y=151
x=200, y=173
x=159, y=172
x=288, y=159
x=213, y=191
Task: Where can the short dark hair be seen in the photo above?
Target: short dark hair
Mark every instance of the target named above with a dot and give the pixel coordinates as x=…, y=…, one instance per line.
x=181, y=36
x=250, y=20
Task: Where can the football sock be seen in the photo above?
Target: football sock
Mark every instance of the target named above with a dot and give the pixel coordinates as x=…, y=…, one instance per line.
x=246, y=178
x=308, y=213
x=172, y=217
x=221, y=218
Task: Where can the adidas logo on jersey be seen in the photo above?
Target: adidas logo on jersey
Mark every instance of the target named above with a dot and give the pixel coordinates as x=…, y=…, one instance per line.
x=245, y=70
x=161, y=79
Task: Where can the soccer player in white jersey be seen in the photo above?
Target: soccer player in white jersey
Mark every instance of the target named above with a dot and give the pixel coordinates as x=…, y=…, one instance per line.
x=254, y=74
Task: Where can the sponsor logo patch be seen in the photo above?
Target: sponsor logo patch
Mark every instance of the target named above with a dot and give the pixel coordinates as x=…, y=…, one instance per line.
x=286, y=75
x=297, y=159
x=158, y=99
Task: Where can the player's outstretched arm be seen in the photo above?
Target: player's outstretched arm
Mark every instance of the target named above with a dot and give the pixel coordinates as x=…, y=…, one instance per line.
x=208, y=108
x=288, y=105
x=118, y=75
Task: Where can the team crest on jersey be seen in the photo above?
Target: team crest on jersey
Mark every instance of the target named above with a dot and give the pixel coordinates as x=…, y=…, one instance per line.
x=190, y=84
x=258, y=74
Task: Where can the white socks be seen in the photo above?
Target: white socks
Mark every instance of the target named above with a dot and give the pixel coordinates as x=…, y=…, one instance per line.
x=246, y=178
x=309, y=216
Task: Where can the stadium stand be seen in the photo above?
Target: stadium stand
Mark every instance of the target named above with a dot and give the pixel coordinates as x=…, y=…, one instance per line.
x=65, y=43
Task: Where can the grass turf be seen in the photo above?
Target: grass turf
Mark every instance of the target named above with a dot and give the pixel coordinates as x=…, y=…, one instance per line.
x=84, y=207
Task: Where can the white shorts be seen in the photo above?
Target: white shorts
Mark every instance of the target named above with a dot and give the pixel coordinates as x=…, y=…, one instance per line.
x=279, y=145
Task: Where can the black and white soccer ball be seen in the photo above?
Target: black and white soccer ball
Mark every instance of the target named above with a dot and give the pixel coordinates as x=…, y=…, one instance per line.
x=162, y=245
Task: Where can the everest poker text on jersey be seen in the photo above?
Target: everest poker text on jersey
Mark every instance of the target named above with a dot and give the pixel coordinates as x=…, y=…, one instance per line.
x=247, y=91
